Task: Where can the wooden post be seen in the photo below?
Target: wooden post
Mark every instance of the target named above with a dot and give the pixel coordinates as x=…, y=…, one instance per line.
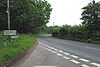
x=8, y=11
x=93, y=1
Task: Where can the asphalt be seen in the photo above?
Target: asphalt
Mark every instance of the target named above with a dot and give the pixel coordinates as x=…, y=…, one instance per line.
x=85, y=50
x=43, y=57
x=63, y=53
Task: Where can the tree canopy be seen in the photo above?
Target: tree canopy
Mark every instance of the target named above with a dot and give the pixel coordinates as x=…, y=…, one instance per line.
x=88, y=31
x=91, y=16
x=26, y=15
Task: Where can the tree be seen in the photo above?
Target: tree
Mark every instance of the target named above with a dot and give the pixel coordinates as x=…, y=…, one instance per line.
x=26, y=15
x=91, y=17
x=3, y=15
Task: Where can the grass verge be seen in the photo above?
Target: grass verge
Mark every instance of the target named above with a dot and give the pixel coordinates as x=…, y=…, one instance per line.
x=20, y=45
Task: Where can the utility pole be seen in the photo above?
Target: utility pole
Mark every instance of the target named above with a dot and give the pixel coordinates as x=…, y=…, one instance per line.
x=53, y=23
x=93, y=1
x=8, y=11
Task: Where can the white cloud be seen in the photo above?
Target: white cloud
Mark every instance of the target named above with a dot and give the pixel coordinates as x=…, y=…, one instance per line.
x=66, y=11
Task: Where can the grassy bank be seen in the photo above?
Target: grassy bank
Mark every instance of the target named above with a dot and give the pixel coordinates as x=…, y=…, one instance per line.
x=13, y=49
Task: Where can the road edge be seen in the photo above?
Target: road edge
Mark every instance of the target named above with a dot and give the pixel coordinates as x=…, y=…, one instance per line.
x=21, y=57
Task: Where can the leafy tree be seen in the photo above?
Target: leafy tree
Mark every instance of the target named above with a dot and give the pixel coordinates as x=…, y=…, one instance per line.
x=91, y=17
x=3, y=15
x=26, y=15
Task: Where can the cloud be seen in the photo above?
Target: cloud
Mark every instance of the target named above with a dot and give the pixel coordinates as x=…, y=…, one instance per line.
x=66, y=11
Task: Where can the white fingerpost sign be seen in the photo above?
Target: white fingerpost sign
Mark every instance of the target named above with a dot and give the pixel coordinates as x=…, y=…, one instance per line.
x=9, y=32
x=14, y=37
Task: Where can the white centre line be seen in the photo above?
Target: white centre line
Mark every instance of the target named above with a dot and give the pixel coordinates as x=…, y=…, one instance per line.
x=53, y=51
x=85, y=60
x=66, y=57
x=74, y=61
x=74, y=56
x=96, y=64
x=44, y=66
x=59, y=54
x=60, y=51
x=49, y=49
x=84, y=65
x=65, y=53
x=40, y=43
x=52, y=48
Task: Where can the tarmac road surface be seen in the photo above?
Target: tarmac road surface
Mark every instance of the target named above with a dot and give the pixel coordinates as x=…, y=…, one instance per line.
x=53, y=52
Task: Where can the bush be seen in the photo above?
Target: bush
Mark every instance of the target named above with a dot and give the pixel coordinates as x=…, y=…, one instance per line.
x=79, y=33
x=89, y=41
x=21, y=44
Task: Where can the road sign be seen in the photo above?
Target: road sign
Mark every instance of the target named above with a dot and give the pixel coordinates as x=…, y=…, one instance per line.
x=14, y=37
x=9, y=32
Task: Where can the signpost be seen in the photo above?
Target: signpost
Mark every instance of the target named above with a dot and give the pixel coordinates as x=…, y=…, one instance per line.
x=9, y=32
x=14, y=37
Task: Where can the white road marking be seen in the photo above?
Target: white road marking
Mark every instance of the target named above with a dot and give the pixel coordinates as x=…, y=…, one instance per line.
x=66, y=57
x=84, y=65
x=39, y=42
x=96, y=64
x=47, y=46
x=74, y=61
x=44, y=66
x=65, y=53
x=85, y=60
x=53, y=51
x=74, y=56
x=42, y=43
x=59, y=54
x=52, y=48
x=49, y=49
x=60, y=51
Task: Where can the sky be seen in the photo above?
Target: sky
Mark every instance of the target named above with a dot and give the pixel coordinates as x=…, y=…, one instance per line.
x=67, y=11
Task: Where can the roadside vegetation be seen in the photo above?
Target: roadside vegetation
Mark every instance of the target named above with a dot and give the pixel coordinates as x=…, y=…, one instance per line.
x=24, y=42
x=88, y=31
x=29, y=18
x=13, y=49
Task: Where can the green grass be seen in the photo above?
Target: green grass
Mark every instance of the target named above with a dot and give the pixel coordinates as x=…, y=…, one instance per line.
x=13, y=49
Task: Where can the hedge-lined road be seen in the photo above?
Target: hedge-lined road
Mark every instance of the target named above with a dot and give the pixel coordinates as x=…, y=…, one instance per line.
x=63, y=53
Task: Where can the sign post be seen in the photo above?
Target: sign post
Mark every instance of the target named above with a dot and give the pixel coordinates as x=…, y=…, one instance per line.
x=14, y=37
x=9, y=32
x=8, y=11
x=5, y=43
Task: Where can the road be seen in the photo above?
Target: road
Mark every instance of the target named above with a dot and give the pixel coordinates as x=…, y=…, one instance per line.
x=63, y=53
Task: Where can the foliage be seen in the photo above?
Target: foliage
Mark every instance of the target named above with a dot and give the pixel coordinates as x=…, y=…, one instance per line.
x=52, y=29
x=77, y=32
x=91, y=17
x=26, y=15
x=21, y=44
x=88, y=31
